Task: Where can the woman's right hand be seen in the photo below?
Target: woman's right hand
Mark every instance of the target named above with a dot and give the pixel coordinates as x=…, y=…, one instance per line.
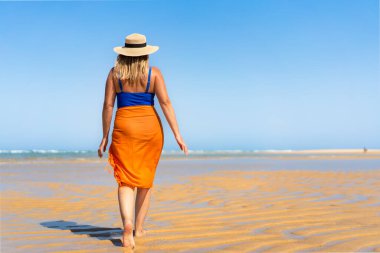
x=102, y=147
x=181, y=144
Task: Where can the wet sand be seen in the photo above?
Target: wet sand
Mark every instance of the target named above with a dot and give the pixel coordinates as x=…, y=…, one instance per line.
x=204, y=205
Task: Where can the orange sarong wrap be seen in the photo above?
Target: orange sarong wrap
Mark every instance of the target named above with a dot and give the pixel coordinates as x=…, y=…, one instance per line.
x=137, y=143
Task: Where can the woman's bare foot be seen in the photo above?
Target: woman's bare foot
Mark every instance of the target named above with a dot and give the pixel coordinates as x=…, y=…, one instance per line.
x=140, y=232
x=127, y=239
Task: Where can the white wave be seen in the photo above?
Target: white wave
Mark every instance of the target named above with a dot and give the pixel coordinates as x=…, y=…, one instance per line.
x=205, y=152
x=275, y=150
x=14, y=151
x=41, y=151
x=44, y=151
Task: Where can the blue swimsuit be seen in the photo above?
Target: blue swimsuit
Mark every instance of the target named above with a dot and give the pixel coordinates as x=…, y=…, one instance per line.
x=135, y=98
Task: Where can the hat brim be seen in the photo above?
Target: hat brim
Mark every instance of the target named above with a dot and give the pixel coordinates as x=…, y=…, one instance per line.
x=137, y=51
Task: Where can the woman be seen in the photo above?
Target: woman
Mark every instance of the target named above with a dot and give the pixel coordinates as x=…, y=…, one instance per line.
x=137, y=137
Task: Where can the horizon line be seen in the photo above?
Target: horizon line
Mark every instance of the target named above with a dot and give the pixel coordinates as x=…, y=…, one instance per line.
x=52, y=151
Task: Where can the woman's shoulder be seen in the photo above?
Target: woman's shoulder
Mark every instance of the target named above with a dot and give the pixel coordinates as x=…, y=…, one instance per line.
x=156, y=70
x=157, y=77
x=113, y=73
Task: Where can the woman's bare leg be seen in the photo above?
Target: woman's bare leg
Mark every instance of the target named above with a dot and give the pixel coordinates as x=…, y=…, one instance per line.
x=142, y=206
x=126, y=198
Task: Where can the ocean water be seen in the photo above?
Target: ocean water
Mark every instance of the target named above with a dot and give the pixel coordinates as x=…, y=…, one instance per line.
x=84, y=167
x=92, y=171
x=83, y=154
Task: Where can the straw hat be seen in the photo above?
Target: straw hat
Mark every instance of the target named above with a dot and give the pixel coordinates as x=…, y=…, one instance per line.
x=135, y=45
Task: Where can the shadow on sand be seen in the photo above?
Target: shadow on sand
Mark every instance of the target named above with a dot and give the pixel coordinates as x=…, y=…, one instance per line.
x=100, y=233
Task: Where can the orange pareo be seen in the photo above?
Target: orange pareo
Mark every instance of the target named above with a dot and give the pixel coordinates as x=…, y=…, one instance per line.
x=137, y=143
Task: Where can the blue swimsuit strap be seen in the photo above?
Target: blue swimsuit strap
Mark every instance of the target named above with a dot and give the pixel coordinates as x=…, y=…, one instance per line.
x=147, y=87
x=120, y=84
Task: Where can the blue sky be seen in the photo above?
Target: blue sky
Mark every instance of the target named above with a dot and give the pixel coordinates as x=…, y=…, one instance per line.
x=268, y=74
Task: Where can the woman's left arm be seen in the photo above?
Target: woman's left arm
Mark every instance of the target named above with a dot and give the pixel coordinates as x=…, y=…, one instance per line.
x=108, y=104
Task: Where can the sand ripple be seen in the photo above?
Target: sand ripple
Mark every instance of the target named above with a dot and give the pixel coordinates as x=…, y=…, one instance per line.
x=221, y=211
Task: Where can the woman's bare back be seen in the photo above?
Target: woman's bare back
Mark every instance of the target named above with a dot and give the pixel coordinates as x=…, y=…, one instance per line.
x=137, y=87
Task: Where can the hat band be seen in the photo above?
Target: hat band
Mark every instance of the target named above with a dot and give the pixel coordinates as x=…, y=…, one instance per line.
x=135, y=45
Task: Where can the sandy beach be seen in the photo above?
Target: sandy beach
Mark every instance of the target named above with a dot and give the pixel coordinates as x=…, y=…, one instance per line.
x=257, y=122
x=197, y=205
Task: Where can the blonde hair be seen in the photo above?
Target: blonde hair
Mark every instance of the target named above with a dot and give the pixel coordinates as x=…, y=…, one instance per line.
x=131, y=68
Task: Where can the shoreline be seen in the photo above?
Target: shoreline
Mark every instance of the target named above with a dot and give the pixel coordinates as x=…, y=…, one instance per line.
x=311, y=154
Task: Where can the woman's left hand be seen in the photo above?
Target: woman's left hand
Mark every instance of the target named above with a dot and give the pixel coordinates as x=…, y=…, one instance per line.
x=102, y=147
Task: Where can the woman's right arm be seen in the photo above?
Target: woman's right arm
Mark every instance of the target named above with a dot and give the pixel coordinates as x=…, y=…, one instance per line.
x=109, y=101
x=167, y=108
